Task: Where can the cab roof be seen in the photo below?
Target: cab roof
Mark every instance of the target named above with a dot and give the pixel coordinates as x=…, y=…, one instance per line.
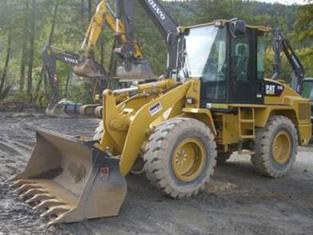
x=222, y=22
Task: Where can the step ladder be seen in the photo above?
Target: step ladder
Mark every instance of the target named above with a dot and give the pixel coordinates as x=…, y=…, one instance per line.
x=246, y=120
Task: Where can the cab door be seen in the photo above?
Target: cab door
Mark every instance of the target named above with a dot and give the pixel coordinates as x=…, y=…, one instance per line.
x=245, y=84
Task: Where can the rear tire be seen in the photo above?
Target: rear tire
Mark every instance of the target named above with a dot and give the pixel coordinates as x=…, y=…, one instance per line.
x=275, y=147
x=180, y=157
x=222, y=158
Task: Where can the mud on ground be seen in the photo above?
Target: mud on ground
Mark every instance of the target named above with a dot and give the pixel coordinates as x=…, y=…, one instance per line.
x=238, y=201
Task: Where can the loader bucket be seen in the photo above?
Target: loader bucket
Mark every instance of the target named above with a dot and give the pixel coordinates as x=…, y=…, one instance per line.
x=66, y=180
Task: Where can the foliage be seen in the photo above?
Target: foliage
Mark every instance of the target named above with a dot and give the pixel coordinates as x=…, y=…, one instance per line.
x=304, y=36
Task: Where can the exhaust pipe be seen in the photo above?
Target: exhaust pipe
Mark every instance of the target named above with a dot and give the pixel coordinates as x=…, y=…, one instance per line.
x=67, y=180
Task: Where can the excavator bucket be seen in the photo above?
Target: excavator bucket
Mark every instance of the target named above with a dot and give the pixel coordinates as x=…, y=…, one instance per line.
x=137, y=71
x=88, y=68
x=69, y=180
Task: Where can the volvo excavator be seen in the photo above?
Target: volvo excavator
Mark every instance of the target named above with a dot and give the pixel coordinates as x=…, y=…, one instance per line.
x=50, y=56
x=57, y=106
x=214, y=100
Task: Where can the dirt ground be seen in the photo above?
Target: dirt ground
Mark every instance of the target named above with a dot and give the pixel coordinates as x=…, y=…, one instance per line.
x=238, y=201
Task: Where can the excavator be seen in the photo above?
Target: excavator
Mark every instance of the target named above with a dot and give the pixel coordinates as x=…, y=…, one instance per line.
x=213, y=100
x=50, y=55
x=61, y=107
x=302, y=85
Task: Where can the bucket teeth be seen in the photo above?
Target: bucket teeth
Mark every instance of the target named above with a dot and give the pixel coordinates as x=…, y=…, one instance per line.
x=39, y=197
x=26, y=187
x=19, y=183
x=47, y=204
x=56, y=210
x=32, y=192
x=58, y=219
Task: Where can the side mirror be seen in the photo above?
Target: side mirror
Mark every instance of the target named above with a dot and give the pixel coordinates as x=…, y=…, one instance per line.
x=238, y=27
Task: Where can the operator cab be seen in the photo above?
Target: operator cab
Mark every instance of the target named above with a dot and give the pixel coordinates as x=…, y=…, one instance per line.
x=228, y=57
x=307, y=91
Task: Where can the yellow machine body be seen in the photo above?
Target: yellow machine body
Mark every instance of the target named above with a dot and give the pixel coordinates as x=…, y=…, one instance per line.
x=74, y=180
x=127, y=125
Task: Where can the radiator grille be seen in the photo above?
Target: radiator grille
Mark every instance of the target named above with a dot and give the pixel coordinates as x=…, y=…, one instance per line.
x=304, y=111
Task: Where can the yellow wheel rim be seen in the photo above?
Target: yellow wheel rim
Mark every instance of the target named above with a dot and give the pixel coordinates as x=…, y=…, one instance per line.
x=281, y=147
x=188, y=160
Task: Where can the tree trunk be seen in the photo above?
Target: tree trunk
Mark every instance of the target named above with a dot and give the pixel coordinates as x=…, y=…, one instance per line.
x=38, y=86
x=82, y=7
x=67, y=84
x=7, y=61
x=24, y=49
x=31, y=50
x=102, y=50
x=53, y=22
x=89, y=9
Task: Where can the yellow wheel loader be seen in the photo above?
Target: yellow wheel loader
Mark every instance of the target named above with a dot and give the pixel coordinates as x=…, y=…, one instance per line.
x=214, y=101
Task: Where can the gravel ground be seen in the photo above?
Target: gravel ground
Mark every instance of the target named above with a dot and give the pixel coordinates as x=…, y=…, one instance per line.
x=238, y=201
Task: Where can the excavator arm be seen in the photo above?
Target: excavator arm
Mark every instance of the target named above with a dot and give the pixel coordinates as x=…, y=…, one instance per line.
x=135, y=65
x=281, y=44
x=104, y=15
x=172, y=34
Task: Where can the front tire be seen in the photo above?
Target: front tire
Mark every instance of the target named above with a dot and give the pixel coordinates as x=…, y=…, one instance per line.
x=180, y=157
x=276, y=147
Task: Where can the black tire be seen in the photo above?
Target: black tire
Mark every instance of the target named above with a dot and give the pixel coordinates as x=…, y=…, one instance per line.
x=263, y=159
x=222, y=158
x=159, y=152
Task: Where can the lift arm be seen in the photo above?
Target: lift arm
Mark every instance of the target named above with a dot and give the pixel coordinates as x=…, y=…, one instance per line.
x=281, y=44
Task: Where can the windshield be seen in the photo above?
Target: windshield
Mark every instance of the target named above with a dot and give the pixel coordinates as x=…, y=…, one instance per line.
x=206, y=53
x=307, y=91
